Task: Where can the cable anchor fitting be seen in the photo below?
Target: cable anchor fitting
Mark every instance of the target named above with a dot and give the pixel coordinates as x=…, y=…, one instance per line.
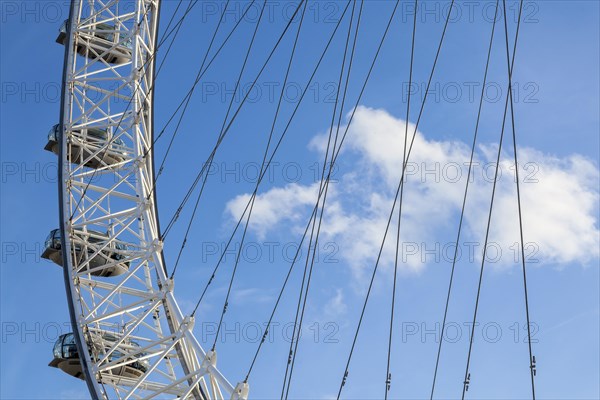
x=467, y=382
x=210, y=359
x=241, y=391
x=187, y=324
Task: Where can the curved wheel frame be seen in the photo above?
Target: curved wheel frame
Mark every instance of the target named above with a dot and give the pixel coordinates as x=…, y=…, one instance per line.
x=132, y=317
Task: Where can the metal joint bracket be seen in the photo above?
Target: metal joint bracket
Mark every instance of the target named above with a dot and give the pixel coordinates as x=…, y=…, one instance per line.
x=210, y=359
x=167, y=287
x=156, y=246
x=187, y=324
x=138, y=162
x=241, y=391
x=145, y=204
x=135, y=74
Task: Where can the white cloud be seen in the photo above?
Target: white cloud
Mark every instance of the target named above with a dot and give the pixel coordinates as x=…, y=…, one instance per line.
x=559, y=200
x=275, y=205
x=559, y=207
x=336, y=306
x=250, y=296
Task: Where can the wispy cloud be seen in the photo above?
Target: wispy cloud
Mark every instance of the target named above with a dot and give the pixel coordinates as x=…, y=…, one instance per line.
x=251, y=296
x=336, y=305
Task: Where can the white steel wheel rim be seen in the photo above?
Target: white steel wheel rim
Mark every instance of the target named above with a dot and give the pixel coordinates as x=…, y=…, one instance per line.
x=118, y=199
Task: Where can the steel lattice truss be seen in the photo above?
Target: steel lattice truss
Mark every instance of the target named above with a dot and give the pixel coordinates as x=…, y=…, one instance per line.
x=108, y=215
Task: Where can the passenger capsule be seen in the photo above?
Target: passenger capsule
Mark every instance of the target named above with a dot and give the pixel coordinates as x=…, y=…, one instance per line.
x=99, y=41
x=83, y=143
x=66, y=357
x=106, y=263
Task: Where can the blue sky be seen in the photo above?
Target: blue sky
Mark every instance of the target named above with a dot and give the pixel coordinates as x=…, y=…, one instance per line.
x=556, y=88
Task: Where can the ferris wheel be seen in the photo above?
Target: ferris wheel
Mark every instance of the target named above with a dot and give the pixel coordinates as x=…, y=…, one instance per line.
x=130, y=338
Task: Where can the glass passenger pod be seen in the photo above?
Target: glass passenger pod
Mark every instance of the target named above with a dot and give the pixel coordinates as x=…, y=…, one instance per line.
x=83, y=143
x=66, y=357
x=106, y=263
x=101, y=40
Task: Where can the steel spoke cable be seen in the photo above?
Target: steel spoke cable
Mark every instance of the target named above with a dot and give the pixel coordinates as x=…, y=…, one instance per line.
x=294, y=345
x=171, y=19
x=323, y=186
x=235, y=90
x=275, y=119
x=467, y=377
x=297, y=329
x=273, y=126
x=211, y=156
x=178, y=27
x=360, y=94
x=277, y=146
x=304, y=297
x=350, y=120
x=224, y=133
x=348, y=72
x=190, y=94
x=201, y=72
x=222, y=129
x=262, y=168
x=279, y=297
x=229, y=125
x=464, y=202
x=514, y=137
x=313, y=215
x=190, y=223
x=179, y=22
x=187, y=98
x=388, y=375
x=237, y=260
x=401, y=182
x=346, y=371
